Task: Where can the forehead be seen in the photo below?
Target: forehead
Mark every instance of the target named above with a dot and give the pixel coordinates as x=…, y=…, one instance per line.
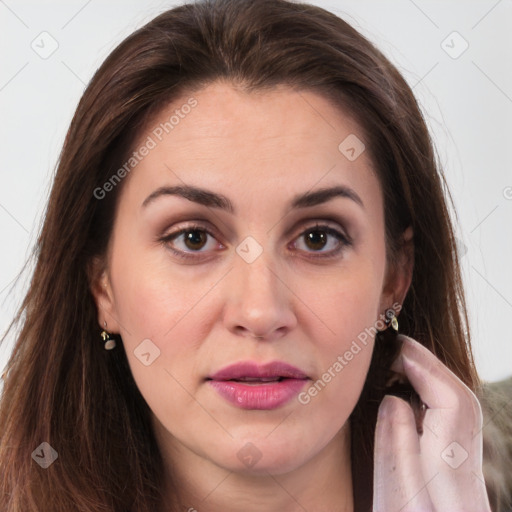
x=275, y=143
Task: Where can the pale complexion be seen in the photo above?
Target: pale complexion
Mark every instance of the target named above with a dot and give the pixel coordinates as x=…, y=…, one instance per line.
x=261, y=151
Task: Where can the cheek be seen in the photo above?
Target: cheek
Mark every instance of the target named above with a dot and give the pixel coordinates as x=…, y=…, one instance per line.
x=343, y=322
x=171, y=319
x=166, y=309
x=342, y=305
x=150, y=299
x=353, y=318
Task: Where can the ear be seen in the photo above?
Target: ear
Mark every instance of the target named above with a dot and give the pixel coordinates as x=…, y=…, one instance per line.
x=101, y=289
x=399, y=273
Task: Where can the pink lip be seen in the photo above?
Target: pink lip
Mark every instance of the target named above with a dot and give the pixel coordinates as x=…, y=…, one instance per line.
x=255, y=395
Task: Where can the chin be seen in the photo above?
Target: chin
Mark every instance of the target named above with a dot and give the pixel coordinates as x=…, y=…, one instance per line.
x=259, y=456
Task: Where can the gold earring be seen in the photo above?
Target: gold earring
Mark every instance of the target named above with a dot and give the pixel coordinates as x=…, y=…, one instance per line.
x=391, y=319
x=109, y=343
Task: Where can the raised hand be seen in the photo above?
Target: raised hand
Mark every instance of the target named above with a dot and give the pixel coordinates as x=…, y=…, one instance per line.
x=439, y=470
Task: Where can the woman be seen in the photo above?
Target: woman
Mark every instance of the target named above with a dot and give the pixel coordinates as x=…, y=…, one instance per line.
x=246, y=200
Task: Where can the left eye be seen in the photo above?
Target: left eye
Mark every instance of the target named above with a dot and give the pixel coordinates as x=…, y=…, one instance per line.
x=322, y=239
x=315, y=238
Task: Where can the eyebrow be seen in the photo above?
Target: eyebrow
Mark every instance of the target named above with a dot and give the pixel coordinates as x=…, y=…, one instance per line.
x=215, y=200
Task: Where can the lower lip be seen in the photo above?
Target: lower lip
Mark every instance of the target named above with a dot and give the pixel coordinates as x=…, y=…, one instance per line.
x=258, y=396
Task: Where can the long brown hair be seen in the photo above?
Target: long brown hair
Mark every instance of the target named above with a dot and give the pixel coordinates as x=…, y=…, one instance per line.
x=62, y=387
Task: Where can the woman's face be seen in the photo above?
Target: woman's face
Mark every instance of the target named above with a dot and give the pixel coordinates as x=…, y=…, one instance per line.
x=246, y=234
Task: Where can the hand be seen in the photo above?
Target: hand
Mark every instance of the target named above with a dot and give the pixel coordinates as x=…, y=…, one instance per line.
x=439, y=470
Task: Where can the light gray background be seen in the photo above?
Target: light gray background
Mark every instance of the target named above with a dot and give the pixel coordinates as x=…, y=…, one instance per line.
x=467, y=101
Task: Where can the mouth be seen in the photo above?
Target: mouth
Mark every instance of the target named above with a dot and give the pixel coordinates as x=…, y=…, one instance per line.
x=255, y=381
x=252, y=372
x=251, y=386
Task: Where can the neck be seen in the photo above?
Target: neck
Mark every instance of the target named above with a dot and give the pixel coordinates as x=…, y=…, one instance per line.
x=323, y=483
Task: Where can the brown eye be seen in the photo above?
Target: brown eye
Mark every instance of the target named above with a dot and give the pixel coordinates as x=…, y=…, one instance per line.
x=315, y=239
x=192, y=241
x=195, y=239
x=322, y=241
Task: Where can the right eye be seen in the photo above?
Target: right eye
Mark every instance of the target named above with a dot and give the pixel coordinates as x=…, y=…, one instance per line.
x=191, y=240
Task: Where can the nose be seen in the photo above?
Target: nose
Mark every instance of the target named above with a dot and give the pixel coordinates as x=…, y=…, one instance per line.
x=259, y=302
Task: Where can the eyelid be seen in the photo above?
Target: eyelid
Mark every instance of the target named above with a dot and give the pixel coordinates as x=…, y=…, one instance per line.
x=331, y=226
x=191, y=226
x=321, y=225
x=345, y=241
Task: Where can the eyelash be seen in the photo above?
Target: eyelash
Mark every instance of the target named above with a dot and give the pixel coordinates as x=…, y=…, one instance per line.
x=343, y=239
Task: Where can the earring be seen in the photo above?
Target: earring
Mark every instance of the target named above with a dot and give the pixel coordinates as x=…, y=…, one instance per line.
x=391, y=319
x=109, y=343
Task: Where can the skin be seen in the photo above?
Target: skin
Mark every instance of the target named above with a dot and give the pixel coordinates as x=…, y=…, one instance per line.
x=205, y=312
x=442, y=468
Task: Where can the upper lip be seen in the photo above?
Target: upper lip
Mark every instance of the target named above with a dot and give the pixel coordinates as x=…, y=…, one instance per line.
x=251, y=369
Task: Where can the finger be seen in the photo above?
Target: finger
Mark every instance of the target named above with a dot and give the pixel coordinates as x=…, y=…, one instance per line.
x=451, y=443
x=398, y=478
x=448, y=389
